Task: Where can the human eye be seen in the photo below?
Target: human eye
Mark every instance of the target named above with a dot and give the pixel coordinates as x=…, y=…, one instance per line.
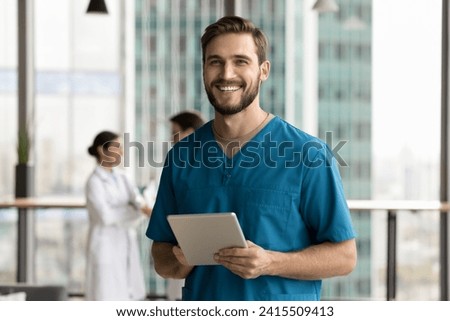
x=241, y=62
x=214, y=62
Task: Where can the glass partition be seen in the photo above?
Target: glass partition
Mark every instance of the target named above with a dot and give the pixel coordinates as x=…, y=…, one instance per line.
x=8, y=245
x=8, y=96
x=405, y=135
x=79, y=90
x=8, y=137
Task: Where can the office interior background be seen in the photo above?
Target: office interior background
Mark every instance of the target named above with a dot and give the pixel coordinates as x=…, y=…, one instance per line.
x=366, y=79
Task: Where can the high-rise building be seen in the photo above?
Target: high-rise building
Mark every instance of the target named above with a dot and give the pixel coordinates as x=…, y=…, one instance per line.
x=168, y=71
x=345, y=64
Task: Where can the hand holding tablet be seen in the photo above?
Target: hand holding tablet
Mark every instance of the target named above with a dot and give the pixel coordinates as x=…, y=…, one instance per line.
x=200, y=236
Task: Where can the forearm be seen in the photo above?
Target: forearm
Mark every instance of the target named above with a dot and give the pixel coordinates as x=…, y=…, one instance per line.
x=166, y=263
x=316, y=262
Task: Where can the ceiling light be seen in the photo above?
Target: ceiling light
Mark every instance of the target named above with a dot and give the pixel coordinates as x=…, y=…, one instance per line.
x=326, y=6
x=97, y=6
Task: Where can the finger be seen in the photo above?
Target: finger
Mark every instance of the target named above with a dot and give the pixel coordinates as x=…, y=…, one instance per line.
x=231, y=260
x=234, y=251
x=231, y=250
x=243, y=271
x=178, y=252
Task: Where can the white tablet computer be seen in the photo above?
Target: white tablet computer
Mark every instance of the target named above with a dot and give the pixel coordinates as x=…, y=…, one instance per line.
x=200, y=236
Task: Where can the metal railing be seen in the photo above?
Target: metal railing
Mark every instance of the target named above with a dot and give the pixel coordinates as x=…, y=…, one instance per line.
x=391, y=208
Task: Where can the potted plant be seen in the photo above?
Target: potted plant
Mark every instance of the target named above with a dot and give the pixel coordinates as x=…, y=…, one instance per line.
x=23, y=147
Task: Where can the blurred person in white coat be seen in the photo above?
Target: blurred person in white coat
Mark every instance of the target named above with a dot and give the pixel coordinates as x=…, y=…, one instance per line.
x=114, y=270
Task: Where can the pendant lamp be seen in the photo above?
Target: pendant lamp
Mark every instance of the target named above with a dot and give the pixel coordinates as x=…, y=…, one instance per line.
x=97, y=6
x=326, y=6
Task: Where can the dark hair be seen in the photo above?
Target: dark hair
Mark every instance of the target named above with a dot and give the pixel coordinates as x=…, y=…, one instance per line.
x=103, y=139
x=234, y=24
x=188, y=119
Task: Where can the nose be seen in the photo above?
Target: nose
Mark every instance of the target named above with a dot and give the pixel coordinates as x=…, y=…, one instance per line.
x=228, y=71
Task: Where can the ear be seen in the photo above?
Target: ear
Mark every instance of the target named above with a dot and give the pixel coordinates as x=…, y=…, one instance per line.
x=186, y=132
x=265, y=70
x=189, y=130
x=100, y=151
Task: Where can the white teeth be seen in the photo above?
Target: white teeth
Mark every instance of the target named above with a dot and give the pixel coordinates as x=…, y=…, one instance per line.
x=229, y=88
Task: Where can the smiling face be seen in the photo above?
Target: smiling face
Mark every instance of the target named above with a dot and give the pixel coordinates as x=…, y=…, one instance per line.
x=232, y=74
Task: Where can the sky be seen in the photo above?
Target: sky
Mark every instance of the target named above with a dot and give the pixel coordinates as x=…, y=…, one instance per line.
x=406, y=77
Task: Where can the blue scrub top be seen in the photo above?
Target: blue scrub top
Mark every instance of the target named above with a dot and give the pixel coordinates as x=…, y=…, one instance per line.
x=284, y=187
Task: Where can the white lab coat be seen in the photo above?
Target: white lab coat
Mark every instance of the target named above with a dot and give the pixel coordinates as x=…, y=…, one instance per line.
x=114, y=270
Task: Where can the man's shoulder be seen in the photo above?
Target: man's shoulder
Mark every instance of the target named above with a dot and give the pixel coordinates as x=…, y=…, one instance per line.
x=285, y=130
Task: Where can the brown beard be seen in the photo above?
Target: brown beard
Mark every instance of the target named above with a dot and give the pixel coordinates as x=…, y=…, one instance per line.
x=246, y=100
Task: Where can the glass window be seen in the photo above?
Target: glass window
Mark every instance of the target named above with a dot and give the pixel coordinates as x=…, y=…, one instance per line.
x=405, y=130
x=8, y=95
x=377, y=77
x=8, y=137
x=79, y=90
x=79, y=84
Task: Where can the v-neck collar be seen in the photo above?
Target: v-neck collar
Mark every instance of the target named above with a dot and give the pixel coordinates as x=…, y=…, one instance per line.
x=264, y=130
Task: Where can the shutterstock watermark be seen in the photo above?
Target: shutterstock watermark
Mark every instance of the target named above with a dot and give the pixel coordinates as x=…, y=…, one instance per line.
x=195, y=154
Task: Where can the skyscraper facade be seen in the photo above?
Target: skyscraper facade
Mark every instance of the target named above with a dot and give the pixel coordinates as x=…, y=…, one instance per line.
x=168, y=70
x=344, y=117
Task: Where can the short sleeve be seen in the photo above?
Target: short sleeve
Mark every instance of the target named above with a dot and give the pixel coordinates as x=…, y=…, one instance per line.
x=323, y=205
x=159, y=229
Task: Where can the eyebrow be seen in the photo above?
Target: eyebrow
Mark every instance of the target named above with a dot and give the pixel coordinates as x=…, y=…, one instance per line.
x=235, y=57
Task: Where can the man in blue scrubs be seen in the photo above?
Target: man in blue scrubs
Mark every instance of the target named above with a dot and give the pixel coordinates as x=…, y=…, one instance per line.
x=282, y=183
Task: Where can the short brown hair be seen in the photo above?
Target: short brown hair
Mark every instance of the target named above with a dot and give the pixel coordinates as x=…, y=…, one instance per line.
x=234, y=24
x=188, y=119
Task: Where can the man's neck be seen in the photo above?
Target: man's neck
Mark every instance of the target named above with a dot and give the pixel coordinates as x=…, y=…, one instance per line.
x=231, y=146
x=240, y=124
